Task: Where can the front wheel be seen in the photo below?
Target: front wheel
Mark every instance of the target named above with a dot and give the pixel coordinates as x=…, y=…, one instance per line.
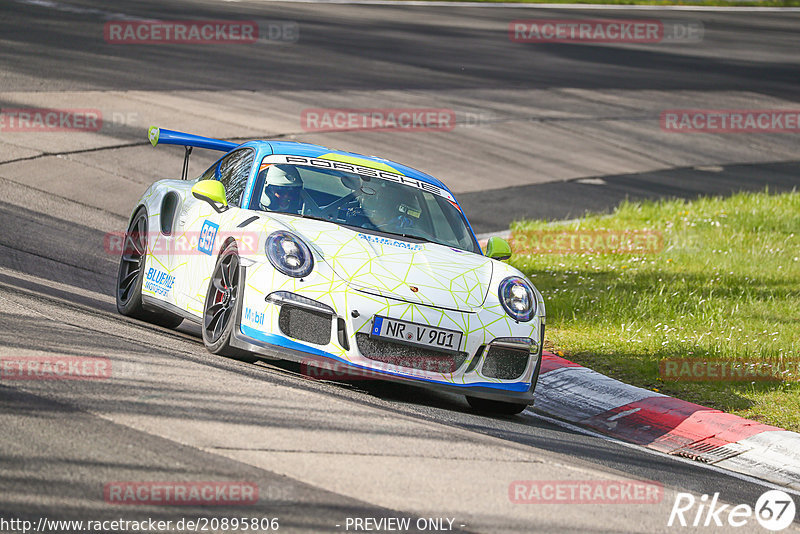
x=219, y=312
x=495, y=407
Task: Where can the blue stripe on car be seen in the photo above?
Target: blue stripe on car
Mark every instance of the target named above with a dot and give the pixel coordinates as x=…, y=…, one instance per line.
x=280, y=341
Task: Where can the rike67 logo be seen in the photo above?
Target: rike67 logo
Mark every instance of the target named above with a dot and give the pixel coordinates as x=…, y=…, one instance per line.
x=774, y=510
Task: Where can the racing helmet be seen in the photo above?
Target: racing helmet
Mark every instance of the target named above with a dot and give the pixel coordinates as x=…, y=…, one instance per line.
x=282, y=189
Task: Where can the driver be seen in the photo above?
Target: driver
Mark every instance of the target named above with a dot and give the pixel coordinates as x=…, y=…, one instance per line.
x=389, y=207
x=282, y=189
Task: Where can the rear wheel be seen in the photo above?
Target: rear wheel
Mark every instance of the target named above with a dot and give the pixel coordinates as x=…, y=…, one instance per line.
x=495, y=407
x=219, y=313
x=131, y=275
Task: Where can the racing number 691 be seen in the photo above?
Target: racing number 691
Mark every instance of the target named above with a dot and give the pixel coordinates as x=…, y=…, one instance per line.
x=207, y=237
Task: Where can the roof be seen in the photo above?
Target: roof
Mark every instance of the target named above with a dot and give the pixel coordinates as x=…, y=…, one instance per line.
x=293, y=148
x=290, y=148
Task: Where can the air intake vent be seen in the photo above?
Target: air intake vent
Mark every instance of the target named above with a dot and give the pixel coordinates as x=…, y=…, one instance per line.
x=408, y=356
x=305, y=325
x=341, y=330
x=475, y=359
x=505, y=363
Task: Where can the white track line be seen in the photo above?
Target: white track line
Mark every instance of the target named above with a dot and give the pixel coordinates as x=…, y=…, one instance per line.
x=734, y=474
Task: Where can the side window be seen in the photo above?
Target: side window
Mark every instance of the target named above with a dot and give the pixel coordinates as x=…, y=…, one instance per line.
x=234, y=169
x=443, y=219
x=209, y=174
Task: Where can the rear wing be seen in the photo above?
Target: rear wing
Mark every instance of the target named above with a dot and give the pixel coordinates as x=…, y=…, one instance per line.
x=158, y=136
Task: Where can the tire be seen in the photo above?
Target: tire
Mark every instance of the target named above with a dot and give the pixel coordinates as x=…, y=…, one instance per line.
x=219, y=310
x=495, y=407
x=130, y=276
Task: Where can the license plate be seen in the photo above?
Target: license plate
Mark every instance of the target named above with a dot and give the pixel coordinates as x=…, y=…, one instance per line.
x=421, y=335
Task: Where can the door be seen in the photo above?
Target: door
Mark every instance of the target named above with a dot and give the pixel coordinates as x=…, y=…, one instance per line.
x=205, y=229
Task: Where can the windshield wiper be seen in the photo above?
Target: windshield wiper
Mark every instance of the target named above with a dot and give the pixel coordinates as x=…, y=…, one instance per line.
x=318, y=218
x=412, y=236
x=314, y=217
x=356, y=227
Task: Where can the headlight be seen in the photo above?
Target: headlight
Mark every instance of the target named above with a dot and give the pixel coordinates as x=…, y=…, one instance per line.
x=288, y=254
x=518, y=298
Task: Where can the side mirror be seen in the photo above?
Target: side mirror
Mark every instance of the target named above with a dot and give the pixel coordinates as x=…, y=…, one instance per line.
x=213, y=192
x=498, y=248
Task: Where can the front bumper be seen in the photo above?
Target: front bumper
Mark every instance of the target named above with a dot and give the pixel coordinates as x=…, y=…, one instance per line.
x=477, y=371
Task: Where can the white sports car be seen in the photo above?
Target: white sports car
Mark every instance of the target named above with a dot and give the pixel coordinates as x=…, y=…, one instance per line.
x=293, y=251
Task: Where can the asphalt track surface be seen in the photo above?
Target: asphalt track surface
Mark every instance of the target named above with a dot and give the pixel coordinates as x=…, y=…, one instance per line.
x=536, y=121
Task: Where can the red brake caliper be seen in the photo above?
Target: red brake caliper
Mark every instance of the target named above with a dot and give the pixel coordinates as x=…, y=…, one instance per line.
x=219, y=296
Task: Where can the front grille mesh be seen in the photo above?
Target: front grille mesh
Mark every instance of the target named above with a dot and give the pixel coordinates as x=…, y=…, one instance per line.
x=410, y=357
x=505, y=363
x=305, y=325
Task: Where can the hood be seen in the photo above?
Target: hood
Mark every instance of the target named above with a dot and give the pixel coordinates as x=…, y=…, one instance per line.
x=382, y=265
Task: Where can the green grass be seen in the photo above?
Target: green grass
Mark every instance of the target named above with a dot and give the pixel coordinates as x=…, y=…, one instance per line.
x=725, y=286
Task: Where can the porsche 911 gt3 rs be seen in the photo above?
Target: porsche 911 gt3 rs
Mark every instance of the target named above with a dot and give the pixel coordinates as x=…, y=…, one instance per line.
x=294, y=251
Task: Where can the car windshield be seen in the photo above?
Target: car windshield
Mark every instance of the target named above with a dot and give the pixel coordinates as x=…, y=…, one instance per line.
x=366, y=202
